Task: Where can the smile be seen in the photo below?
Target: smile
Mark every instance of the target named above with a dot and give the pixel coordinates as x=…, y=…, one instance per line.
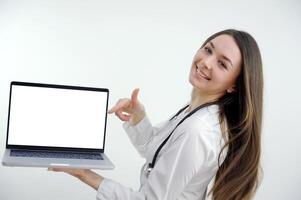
x=201, y=73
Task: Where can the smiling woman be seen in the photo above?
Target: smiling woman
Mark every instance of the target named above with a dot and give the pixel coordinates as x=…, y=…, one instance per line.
x=215, y=137
x=218, y=63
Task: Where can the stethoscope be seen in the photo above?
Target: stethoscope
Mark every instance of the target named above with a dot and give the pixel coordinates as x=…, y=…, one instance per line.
x=151, y=165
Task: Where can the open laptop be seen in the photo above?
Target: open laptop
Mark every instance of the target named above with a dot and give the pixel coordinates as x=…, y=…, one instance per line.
x=56, y=126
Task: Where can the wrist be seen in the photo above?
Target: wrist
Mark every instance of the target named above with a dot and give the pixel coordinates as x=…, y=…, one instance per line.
x=137, y=117
x=91, y=178
x=81, y=174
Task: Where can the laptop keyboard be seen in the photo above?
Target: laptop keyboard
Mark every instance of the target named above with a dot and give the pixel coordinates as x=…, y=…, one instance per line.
x=55, y=154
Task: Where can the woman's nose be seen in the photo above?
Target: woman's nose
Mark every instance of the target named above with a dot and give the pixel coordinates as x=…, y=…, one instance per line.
x=208, y=62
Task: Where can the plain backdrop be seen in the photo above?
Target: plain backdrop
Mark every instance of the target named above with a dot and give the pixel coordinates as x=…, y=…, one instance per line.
x=122, y=45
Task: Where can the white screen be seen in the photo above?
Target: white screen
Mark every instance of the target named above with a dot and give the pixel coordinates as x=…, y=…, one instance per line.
x=55, y=117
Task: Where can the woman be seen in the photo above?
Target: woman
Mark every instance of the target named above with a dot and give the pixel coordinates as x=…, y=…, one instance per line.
x=215, y=137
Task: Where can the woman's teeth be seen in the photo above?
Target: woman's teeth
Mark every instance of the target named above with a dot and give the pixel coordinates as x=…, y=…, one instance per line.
x=200, y=73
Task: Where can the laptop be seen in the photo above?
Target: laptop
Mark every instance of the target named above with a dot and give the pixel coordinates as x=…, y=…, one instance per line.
x=56, y=126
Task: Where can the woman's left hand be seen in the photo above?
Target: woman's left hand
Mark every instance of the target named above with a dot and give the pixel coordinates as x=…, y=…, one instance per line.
x=85, y=175
x=74, y=172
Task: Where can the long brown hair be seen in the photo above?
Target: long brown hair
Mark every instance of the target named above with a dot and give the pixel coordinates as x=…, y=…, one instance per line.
x=240, y=115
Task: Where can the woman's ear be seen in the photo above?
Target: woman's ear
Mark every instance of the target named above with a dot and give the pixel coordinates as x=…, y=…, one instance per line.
x=231, y=89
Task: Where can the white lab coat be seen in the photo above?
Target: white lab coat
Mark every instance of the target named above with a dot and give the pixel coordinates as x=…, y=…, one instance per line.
x=185, y=165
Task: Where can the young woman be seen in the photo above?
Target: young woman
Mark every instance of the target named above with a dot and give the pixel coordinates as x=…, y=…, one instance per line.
x=215, y=137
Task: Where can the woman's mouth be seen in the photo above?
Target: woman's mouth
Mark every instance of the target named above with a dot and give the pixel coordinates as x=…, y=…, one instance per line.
x=201, y=73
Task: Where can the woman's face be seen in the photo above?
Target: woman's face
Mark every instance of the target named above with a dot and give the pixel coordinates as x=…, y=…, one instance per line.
x=216, y=66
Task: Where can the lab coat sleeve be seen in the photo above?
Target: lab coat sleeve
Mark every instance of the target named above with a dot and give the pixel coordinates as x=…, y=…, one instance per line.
x=142, y=134
x=175, y=168
x=111, y=190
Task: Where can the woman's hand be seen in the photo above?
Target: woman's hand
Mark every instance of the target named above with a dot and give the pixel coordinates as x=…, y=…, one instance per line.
x=85, y=175
x=129, y=109
x=74, y=172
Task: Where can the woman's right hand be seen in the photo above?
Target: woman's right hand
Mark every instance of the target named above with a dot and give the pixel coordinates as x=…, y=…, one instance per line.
x=129, y=109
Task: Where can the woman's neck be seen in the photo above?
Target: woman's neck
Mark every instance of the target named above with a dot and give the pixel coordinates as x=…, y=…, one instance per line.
x=198, y=99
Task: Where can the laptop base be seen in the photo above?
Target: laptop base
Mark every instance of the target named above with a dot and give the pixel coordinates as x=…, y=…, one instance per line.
x=16, y=161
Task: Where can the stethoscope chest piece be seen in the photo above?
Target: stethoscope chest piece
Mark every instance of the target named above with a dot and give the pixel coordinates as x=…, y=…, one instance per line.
x=148, y=169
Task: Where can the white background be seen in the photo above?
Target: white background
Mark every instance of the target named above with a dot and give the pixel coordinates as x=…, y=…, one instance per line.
x=148, y=44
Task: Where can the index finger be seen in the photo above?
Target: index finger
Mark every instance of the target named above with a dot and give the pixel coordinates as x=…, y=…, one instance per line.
x=134, y=97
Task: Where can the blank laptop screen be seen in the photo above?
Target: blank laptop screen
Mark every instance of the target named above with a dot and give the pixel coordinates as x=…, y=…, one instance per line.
x=56, y=117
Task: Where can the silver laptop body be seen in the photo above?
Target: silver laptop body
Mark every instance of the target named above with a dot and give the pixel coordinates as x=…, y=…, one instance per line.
x=56, y=126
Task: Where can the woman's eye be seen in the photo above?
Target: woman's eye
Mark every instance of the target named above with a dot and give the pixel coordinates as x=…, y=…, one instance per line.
x=222, y=64
x=208, y=50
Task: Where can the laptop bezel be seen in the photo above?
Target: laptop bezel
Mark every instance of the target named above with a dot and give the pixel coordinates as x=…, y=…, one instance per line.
x=53, y=148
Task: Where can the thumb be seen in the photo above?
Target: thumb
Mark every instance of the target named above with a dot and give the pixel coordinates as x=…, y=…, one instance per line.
x=134, y=97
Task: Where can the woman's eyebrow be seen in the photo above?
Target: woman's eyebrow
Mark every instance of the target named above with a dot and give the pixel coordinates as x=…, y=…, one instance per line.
x=226, y=58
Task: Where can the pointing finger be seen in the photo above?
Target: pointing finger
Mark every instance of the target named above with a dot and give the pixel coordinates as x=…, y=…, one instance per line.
x=134, y=97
